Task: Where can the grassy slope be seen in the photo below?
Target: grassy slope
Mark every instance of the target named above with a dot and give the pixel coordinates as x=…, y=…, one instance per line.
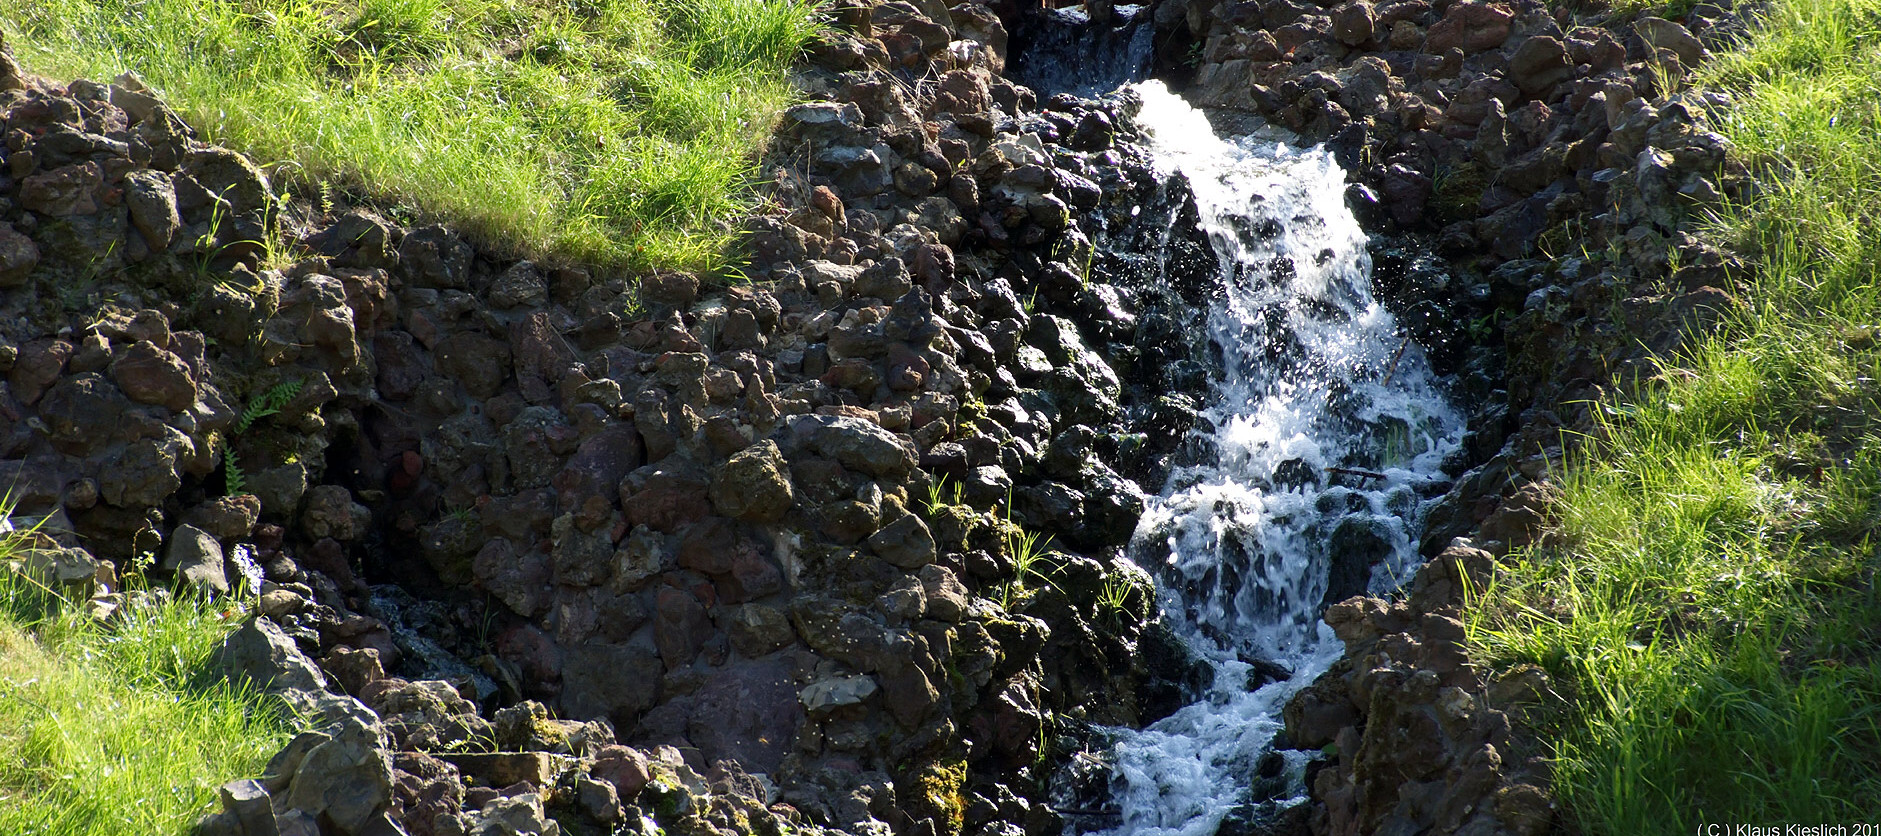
x=1714, y=607
x=121, y=731
x=614, y=132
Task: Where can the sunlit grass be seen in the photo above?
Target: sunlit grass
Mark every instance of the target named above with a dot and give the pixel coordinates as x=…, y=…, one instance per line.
x=119, y=729
x=1711, y=606
x=615, y=132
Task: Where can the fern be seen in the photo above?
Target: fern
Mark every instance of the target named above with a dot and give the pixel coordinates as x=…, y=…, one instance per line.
x=234, y=481
x=268, y=403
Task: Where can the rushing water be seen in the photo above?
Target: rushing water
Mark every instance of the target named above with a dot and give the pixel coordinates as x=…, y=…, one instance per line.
x=1245, y=538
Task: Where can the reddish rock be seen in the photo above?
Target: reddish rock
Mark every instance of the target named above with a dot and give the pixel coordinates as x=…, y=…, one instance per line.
x=670, y=498
x=228, y=518
x=71, y=190
x=627, y=769
x=519, y=579
x=39, y=365
x=1472, y=26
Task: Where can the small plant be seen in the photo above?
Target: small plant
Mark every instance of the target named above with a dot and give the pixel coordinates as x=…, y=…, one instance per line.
x=1031, y=561
x=234, y=481
x=270, y=402
x=942, y=492
x=1116, y=597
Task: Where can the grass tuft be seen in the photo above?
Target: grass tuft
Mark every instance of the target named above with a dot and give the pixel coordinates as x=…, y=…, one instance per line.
x=1712, y=606
x=121, y=729
x=609, y=132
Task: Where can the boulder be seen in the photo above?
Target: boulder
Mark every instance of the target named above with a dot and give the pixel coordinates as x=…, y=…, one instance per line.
x=754, y=485
x=1539, y=64
x=905, y=543
x=195, y=557
x=1472, y=26
x=610, y=680
x=260, y=654
x=1353, y=23
x=1660, y=33
x=346, y=780
x=18, y=256
x=859, y=445
x=153, y=375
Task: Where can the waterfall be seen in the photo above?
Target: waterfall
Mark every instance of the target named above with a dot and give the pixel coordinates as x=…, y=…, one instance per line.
x=1255, y=527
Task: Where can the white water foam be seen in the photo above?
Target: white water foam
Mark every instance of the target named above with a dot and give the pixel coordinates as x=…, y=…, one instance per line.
x=1316, y=376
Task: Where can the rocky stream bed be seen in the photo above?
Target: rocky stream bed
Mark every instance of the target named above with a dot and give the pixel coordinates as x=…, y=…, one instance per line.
x=542, y=549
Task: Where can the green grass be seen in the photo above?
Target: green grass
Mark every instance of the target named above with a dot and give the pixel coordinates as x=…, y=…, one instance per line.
x=1711, y=607
x=610, y=132
x=119, y=730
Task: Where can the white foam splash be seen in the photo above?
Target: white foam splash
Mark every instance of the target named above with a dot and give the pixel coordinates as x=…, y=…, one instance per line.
x=1313, y=379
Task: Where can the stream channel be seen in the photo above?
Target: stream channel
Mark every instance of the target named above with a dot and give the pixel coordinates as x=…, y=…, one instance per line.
x=1318, y=451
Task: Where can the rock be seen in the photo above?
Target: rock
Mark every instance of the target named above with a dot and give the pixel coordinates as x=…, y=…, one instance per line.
x=428, y=715
x=610, y=680
x=246, y=803
x=259, y=654
x=62, y=568
x=826, y=695
x=38, y=367
x=1353, y=23
x=754, y=485
x=18, y=256
x=346, y=780
x=519, y=580
x=680, y=627
x=905, y=543
x=1659, y=33
x=579, y=558
x=947, y=597
x=859, y=445
x=1539, y=64
x=195, y=557
x=353, y=670
x=502, y=769
x=151, y=199
x=429, y=795
x=152, y=375
x=479, y=362
x=279, y=489
x=517, y=815
x=331, y=512
x=227, y=518
x=598, y=799
x=1470, y=25
x=65, y=191
x=521, y=286
x=757, y=629
x=1524, y=809
x=1316, y=714
x=627, y=769
x=232, y=178
x=674, y=289
x=666, y=497
x=141, y=475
